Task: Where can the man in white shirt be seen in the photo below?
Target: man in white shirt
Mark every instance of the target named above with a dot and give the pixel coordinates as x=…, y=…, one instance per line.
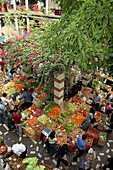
x=6, y=102
x=20, y=150
x=97, y=98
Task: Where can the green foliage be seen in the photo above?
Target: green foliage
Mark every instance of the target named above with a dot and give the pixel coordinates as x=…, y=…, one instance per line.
x=2, y=2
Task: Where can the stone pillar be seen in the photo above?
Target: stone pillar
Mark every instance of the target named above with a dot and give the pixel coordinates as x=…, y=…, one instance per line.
x=0, y=27
x=28, y=25
x=59, y=81
x=46, y=7
x=85, y=80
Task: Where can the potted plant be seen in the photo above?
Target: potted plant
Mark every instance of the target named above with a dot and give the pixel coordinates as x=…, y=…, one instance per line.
x=2, y=3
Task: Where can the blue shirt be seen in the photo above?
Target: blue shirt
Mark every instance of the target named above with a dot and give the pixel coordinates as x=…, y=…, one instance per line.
x=1, y=106
x=91, y=117
x=10, y=75
x=81, y=144
x=28, y=97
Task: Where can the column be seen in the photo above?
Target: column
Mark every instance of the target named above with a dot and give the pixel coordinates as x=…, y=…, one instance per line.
x=0, y=27
x=28, y=25
x=46, y=7
x=59, y=81
x=26, y=2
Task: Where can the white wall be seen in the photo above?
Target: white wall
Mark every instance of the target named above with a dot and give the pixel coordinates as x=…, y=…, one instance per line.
x=52, y=5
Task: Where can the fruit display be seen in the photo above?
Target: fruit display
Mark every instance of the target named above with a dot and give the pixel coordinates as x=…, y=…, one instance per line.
x=54, y=112
x=18, y=87
x=37, y=112
x=97, y=116
x=31, y=121
x=78, y=101
x=86, y=107
x=61, y=139
x=75, y=134
x=59, y=127
x=43, y=119
x=91, y=131
x=3, y=149
x=71, y=108
x=83, y=112
x=77, y=119
x=33, y=107
x=59, y=119
x=40, y=89
x=89, y=140
x=102, y=136
x=41, y=104
x=29, y=130
x=103, y=94
x=10, y=91
x=50, y=124
x=69, y=126
x=15, y=80
x=38, y=128
x=49, y=106
x=86, y=92
x=24, y=114
x=7, y=86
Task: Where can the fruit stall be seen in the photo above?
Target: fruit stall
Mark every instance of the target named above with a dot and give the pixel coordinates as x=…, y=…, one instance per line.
x=67, y=121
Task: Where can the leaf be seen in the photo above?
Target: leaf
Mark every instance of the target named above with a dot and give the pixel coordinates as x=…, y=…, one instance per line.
x=105, y=22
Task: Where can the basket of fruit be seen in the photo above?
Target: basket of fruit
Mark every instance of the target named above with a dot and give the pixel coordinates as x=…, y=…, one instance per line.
x=3, y=149
x=61, y=139
x=97, y=116
x=102, y=139
x=101, y=124
x=89, y=142
x=75, y=134
x=91, y=132
x=77, y=119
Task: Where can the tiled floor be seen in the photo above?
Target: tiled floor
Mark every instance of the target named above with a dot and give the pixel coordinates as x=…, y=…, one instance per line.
x=35, y=148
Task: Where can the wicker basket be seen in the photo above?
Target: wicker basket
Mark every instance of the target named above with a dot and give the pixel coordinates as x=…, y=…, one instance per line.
x=102, y=142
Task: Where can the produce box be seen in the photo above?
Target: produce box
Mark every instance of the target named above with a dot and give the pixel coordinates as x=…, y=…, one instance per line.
x=46, y=166
x=87, y=93
x=75, y=134
x=78, y=101
x=77, y=119
x=38, y=128
x=83, y=112
x=101, y=124
x=15, y=162
x=86, y=107
x=91, y=132
x=43, y=119
x=29, y=131
x=3, y=149
x=61, y=139
x=31, y=121
x=89, y=142
x=54, y=112
x=59, y=126
x=71, y=145
x=102, y=139
x=97, y=116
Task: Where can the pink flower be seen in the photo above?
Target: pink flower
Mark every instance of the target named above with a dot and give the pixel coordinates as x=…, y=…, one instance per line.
x=20, y=60
x=31, y=55
x=28, y=40
x=35, y=52
x=28, y=62
x=30, y=26
x=37, y=57
x=30, y=81
x=2, y=46
x=8, y=48
x=15, y=51
x=13, y=55
x=29, y=45
x=30, y=58
x=21, y=57
x=20, y=47
x=43, y=62
x=52, y=60
x=33, y=35
x=25, y=42
x=3, y=53
x=35, y=46
x=35, y=65
x=32, y=42
x=23, y=78
x=17, y=63
x=20, y=51
x=10, y=41
x=39, y=51
x=34, y=59
x=34, y=69
x=44, y=32
x=42, y=55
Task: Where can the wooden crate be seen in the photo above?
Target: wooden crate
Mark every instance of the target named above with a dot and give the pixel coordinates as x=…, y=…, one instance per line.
x=102, y=142
x=100, y=126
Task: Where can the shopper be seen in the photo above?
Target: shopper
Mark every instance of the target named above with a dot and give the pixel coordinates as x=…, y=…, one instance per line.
x=108, y=164
x=9, y=120
x=14, y=102
x=81, y=145
x=97, y=98
x=2, y=115
x=91, y=115
x=6, y=102
x=52, y=143
x=108, y=109
x=28, y=99
x=90, y=157
x=62, y=156
x=17, y=118
x=20, y=150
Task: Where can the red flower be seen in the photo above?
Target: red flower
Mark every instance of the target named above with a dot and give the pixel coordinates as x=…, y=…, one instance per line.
x=35, y=46
x=52, y=60
x=23, y=78
x=29, y=45
x=42, y=55
x=30, y=58
x=32, y=42
x=17, y=63
x=37, y=57
x=34, y=59
x=39, y=51
x=28, y=62
x=34, y=69
x=28, y=40
x=43, y=62
x=7, y=48
x=35, y=52
x=20, y=51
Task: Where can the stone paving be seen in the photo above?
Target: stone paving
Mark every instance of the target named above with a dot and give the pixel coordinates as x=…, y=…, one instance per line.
x=35, y=148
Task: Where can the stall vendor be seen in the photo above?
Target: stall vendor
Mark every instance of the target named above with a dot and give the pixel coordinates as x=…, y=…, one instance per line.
x=20, y=150
x=97, y=98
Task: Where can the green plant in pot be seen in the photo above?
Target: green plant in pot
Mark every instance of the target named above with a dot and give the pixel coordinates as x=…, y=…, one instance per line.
x=2, y=140
x=2, y=2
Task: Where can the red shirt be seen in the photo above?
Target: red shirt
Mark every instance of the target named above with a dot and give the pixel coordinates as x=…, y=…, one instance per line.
x=2, y=63
x=17, y=118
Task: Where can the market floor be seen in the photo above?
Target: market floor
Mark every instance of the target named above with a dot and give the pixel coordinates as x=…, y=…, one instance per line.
x=35, y=148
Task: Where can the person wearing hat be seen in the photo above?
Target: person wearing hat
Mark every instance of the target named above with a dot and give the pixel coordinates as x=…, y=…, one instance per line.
x=81, y=145
x=90, y=157
x=6, y=102
x=20, y=150
x=28, y=99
